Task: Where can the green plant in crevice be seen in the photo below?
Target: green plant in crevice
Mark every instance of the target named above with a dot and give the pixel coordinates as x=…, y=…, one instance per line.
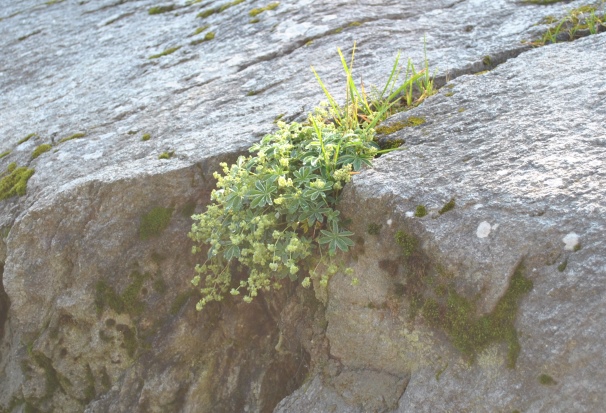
x=272, y=215
x=583, y=20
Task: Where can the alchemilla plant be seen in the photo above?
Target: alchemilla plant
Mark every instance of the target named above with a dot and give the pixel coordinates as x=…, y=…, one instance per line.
x=273, y=213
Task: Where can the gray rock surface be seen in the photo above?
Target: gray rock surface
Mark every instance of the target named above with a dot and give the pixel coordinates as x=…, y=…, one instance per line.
x=524, y=161
x=96, y=317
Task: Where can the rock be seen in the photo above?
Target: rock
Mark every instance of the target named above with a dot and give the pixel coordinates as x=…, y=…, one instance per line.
x=139, y=108
x=527, y=166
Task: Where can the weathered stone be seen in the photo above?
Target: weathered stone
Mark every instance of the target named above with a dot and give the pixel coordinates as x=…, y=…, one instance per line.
x=100, y=318
x=525, y=157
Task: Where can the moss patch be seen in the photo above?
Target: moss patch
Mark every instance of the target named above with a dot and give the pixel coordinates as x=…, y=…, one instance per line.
x=128, y=302
x=207, y=37
x=54, y=380
x=373, y=228
x=27, y=138
x=200, y=30
x=563, y=265
x=420, y=211
x=165, y=52
x=154, y=222
x=5, y=153
x=40, y=150
x=161, y=9
x=396, y=126
x=259, y=10
x=130, y=342
x=13, y=181
x=209, y=12
x=181, y=299
x=443, y=308
x=447, y=206
x=74, y=136
x=145, y=137
x=547, y=380
x=166, y=155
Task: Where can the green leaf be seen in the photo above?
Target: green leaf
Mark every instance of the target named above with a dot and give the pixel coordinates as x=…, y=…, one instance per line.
x=262, y=195
x=336, y=239
x=232, y=251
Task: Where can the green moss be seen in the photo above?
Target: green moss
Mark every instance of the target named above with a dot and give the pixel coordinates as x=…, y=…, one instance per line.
x=259, y=10
x=396, y=126
x=40, y=150
x=105, y=380
x=89, y=391
x=563, y=265
x=547, y=380
x=420, y=211
x=180, y=300
x=159, y=285
x=161, y=9
x=52, y=378
x=483, y=72
x=447, y=206
x=252, y=93
x=188, y=209
x=208, y=37
x=337, y=31
x=209, y=12
x=373, y=229
x=105, y=337
x=106, y=296
x=542, y=1
x=130, y=342
x=166, y=155
x=432, y=294
x=200, y=30
x=354, y=24
x=165, y=52
x=154, y=222
x=470, y=334
x=145, y=137
x=577, y=247
x=391, y=144
x=127, y=302
x=279, y=117
x=130, y=297
x=407, y=242
x=51, y=2
x=487, y=61
x=27, y=138
x=461, y=110
x=74, y=136
x=14, y=181
x=5, y=153
x=448, y=94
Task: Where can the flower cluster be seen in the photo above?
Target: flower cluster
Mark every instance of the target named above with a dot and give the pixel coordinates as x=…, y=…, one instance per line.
x=273, y=212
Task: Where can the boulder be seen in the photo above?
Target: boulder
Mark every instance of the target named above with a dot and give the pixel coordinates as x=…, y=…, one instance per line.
x=116, y=113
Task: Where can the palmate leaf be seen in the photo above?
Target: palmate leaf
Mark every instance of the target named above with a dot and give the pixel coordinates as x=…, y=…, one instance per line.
x=261, y=196
x=335, y=238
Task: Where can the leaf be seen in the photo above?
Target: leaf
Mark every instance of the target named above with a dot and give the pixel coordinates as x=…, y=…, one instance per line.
x=232, y=251
x=262, y=195
x=336, y=239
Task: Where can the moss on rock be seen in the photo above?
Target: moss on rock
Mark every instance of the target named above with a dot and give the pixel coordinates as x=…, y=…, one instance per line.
x=154, y=222
x=14, y=181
